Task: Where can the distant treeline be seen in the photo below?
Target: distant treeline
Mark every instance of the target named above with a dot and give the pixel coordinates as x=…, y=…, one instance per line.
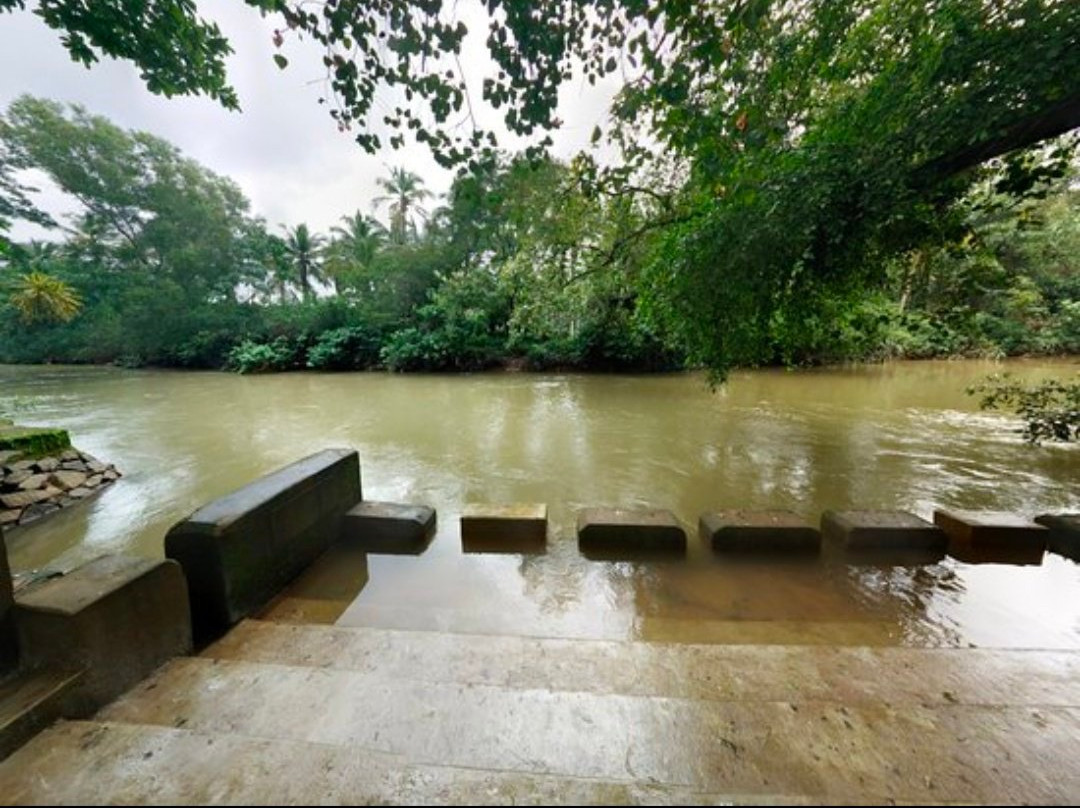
x=522, y=263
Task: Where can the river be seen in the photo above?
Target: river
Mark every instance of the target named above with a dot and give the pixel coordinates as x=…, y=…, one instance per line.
x=900, y=435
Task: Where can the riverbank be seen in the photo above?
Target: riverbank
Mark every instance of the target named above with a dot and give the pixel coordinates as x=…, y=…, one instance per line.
x=32, y=488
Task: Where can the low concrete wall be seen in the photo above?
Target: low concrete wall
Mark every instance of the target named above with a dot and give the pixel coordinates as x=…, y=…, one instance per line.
x=240, y=550
x=117, y=618
x=9, y=649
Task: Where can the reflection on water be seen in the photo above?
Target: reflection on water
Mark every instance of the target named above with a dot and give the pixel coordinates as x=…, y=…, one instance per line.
x=901, y=436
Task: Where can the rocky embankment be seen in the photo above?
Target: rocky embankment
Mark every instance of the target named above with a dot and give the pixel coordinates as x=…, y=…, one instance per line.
x=35, y=487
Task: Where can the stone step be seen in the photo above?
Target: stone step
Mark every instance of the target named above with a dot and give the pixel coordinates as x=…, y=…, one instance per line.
x=30, y=701
x=669, y=670
x=97, y=763
x=941, y=751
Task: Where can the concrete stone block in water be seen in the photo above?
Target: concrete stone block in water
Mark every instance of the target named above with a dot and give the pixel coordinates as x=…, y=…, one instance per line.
x=1064, y=536
x=612, y=532
x=992, y=536
x=876, y=532
x=389, y=527
x=747, y=531
x=518, y=528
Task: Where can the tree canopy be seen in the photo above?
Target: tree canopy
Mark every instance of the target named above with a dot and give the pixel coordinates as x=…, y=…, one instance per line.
x=774, y=156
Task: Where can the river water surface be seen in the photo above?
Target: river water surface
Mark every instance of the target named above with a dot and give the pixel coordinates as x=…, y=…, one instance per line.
x=900, y=435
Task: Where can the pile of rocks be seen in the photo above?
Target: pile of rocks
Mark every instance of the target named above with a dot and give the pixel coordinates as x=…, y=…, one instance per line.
x=33, y=488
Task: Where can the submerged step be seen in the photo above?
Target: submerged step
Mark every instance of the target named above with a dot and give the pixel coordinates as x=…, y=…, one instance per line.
x=877, y=532
x=746, y=531
x=992, y=536
x=615, y=532
x=389, y=527
x=517, y=528
x=1064, y=538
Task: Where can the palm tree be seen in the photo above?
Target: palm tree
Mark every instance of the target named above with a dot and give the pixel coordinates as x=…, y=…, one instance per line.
x=303, y=247
x=355, y=244
x=404, y=193
x=39, y=297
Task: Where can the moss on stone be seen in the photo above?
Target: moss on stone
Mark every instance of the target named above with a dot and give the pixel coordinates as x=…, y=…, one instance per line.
x=34, y=441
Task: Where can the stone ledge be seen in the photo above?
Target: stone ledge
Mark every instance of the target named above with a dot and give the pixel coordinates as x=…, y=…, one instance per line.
x=117, y=617
x=389, y=527
x=746, y=531
x=517, y=528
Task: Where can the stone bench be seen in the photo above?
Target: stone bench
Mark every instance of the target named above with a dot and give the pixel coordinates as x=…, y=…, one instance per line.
x=992, y=536
x=240, y=550
x=520, y=528
x=116, y=618
x=1064, y=538
x=389, y=528
x=612, y=533
x=743, y=531
x=878, y=534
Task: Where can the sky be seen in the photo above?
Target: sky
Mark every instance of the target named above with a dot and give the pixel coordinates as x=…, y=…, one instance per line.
x=283, y=149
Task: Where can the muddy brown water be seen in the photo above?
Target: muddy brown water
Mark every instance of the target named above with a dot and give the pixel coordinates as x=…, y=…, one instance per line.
x=900, y=435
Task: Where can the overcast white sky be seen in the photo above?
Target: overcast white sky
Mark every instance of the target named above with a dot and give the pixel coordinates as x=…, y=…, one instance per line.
x=283, y=148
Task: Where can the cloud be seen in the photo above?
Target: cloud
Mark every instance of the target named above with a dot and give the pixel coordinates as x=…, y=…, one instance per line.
x=283, y=149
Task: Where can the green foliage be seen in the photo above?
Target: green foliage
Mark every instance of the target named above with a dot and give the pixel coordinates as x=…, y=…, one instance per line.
x=348, y=348
x=463, y=327
x=262, y=357
x=177, y=52
x=1050, y=409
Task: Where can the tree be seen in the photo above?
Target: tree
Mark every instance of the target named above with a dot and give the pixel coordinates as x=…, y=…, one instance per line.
x=303, y=247
x=39, y=297
x=1050, y=409
x=404, y=193
x=177, y=52
x=144, y=206
x=353, y=248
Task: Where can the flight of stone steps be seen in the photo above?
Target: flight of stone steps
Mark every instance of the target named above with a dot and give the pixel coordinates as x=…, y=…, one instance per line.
x=277, y=713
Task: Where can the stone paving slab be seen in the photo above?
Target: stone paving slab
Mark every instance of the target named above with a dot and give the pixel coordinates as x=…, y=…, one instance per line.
x=140, y=765
x=824, y=749
x=758, y=532
x=304, y=714
x=702, y=672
